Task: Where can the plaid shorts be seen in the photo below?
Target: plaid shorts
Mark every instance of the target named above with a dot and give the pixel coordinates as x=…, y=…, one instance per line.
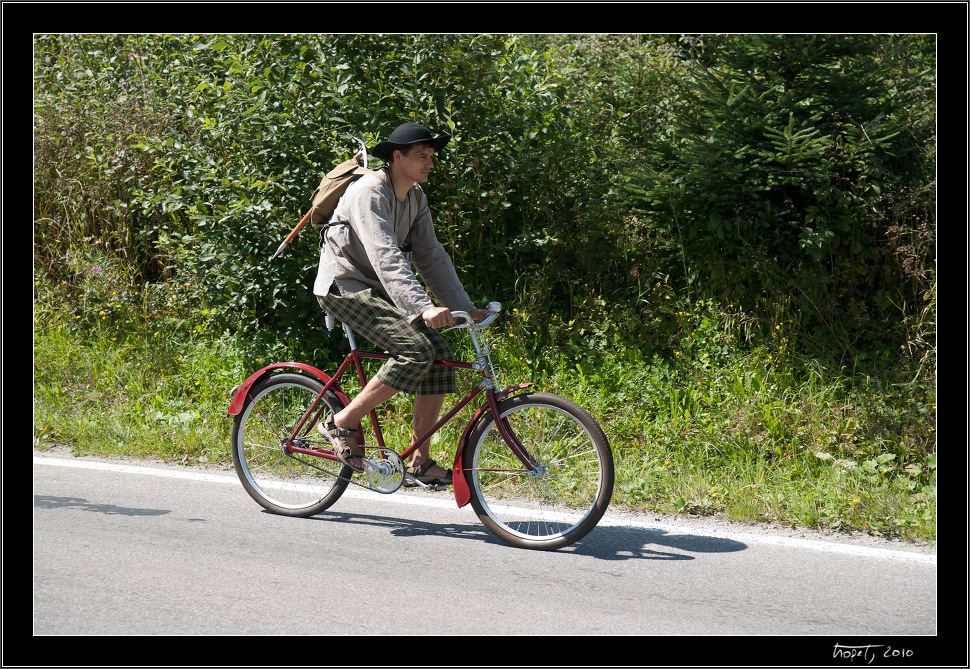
x=413, y=346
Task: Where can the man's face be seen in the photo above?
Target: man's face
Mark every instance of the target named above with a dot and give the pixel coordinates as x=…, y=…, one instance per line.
x=415, y=165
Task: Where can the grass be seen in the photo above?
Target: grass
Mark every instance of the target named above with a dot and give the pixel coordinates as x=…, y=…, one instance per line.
x=757, y=434
x=754, y=434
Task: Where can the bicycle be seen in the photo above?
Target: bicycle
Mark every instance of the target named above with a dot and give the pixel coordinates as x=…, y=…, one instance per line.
x=539, y=477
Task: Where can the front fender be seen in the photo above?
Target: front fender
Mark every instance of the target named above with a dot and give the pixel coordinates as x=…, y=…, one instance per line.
x=240, y=394
x=459, y=484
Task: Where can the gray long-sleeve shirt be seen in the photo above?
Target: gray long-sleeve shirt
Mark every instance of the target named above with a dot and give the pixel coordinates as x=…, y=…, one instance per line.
x=363, y=248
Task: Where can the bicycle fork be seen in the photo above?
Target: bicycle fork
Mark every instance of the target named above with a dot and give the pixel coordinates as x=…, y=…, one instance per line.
x=505, y=431
x=460, y=486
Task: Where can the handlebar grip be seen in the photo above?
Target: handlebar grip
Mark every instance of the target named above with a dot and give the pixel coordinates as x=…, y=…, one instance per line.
x=494, y=307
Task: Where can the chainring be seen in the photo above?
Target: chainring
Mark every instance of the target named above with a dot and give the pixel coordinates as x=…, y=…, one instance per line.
x=384, y=470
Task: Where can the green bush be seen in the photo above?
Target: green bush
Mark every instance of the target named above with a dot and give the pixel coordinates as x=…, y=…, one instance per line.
x=196, y=155
x=799, y=165
x=723, y=245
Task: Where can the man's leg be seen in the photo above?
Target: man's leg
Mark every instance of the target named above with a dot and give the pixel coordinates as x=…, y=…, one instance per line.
x=427, y=408
x=413, y=347
x=375, y=393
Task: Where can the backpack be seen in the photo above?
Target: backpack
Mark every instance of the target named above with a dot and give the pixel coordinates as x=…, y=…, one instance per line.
x=331, y=187
x=327, y=195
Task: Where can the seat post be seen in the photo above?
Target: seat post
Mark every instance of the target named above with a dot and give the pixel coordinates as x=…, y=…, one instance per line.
x=347, y=331
x=350, y=336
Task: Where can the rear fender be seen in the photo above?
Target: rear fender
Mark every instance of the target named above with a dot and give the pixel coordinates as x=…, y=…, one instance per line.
x=459, y=484
x=240, y=394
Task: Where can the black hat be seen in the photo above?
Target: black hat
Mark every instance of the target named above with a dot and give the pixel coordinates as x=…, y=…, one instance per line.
x=408, y=133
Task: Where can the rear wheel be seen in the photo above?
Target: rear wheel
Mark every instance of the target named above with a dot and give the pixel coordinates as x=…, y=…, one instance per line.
x=567, y=491
x=291, y=484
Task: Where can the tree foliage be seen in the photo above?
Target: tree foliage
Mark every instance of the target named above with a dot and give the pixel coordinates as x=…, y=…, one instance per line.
x=603, y=178
x=794, y=165
x=196, y=155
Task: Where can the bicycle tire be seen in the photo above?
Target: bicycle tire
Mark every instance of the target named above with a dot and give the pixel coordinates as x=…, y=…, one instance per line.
x=287, y=484
x=568, y=493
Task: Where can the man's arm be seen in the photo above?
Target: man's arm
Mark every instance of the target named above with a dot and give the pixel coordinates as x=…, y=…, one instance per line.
x=433, y=263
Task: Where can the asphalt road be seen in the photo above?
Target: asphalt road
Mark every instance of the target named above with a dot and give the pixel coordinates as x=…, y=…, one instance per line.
x=136, y=549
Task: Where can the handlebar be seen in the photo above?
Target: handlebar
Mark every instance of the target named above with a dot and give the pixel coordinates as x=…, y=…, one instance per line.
x=494, y=307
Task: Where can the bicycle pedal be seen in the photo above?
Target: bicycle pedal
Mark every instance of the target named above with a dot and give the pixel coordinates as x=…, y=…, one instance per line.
x=412, y=482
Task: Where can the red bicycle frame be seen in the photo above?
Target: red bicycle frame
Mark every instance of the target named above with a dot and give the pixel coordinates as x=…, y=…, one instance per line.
x=357, y=356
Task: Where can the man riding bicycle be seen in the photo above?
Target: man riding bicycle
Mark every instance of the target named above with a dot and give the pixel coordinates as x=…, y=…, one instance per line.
x=381, y=226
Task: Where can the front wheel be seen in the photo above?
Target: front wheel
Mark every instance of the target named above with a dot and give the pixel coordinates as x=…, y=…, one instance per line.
x=563, y=495
x=287, y=483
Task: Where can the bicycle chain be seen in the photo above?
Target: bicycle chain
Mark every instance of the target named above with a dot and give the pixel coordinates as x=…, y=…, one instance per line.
x=337, y=475
x=424, y=486
x=367, y=486
x=429, y=487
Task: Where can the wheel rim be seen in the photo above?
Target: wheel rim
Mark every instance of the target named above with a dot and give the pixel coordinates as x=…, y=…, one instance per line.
x=560, y=495
x=284, y=480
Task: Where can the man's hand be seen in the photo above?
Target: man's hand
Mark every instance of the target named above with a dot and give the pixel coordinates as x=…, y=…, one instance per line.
x=438, y=317
x=478, y=315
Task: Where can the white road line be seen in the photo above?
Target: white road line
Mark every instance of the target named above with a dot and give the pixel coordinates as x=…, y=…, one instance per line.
x=743, y=537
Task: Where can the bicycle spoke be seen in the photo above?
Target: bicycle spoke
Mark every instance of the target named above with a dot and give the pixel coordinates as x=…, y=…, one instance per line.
x=562, y=496
x=274, y=476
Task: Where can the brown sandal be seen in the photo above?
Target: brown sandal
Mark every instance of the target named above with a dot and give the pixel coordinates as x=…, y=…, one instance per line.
x=419, y=472
x=341, y=448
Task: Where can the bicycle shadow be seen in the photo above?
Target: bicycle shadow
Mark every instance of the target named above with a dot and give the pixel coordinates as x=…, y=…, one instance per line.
x=627, y=542
x=609, y=542
x=52, y=502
